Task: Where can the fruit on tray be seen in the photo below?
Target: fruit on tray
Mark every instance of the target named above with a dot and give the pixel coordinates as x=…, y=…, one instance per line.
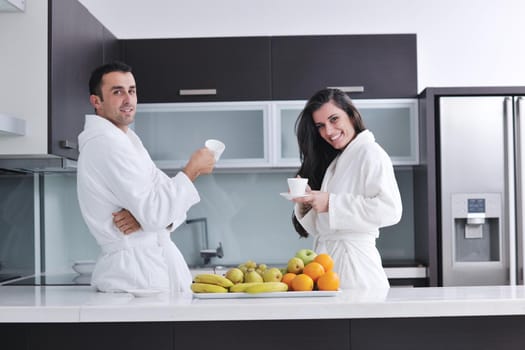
x=306, y=255
x=250, y=277
x=328, y=281
x=235, y=275
x=207, y=288
x=272, y=274
x=267, y=287
x=241, y=287
x=302, y=283
x=295, y=265
x=210, y=278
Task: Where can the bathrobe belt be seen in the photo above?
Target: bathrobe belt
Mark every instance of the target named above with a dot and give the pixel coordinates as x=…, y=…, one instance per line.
x=128, y=242
x=346, y=236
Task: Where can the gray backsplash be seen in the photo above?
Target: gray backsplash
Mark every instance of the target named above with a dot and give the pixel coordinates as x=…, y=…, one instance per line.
x=244, y=212
x=17, y=223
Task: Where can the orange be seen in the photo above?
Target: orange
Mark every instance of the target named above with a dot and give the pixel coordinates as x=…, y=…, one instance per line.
x=325, y=260
x=287, y=278
x=302, y=283
x=314, y=270
x=328, y=281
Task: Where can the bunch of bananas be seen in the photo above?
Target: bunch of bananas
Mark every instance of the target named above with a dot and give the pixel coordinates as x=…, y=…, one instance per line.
x=212, y=283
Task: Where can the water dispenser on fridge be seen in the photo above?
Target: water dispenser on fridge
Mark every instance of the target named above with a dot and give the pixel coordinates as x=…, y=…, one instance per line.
x=476, y=240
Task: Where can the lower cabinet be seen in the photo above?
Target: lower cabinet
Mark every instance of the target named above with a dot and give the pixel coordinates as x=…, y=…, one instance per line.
x=489, y=332
x=227, y=335
x=264, y=335
x=438, y=333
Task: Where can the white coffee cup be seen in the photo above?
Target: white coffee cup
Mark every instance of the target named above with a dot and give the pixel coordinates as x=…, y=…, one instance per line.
x=297, y=185
x=216, y=146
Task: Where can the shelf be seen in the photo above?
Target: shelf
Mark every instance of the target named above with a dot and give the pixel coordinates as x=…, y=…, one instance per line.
x=12, y=126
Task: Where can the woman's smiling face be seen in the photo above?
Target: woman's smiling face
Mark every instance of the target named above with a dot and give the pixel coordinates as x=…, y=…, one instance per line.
x=334, y=125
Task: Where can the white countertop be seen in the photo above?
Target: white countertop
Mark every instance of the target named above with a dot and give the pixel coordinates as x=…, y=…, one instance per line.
x=83, y=304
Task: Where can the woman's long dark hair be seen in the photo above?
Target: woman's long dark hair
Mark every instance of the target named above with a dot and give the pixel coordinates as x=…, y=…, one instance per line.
x=315, y=153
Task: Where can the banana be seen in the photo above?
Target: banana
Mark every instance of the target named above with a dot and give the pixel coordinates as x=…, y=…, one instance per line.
x=267, y=287
x=207, y=288
x=211, y=278
x=241, y=287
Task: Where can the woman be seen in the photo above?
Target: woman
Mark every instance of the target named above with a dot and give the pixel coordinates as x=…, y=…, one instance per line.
x=353, y=191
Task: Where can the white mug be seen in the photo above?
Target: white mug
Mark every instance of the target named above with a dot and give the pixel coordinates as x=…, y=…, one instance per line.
x=297, y=185
x=216, y=146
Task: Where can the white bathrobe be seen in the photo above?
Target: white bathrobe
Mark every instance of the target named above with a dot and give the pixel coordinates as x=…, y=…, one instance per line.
x=114, y=172
x=364, y=196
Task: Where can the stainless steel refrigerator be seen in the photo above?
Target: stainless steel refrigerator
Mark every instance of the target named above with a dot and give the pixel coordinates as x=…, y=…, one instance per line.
x=481, y=160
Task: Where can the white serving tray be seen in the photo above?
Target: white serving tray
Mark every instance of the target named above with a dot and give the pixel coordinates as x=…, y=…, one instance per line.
x=317, y=293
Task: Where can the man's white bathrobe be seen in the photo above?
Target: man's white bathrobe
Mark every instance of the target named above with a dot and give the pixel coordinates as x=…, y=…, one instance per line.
x=114, y=172
x=364, y=196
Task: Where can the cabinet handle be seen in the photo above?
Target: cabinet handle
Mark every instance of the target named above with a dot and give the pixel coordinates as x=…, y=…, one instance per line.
x=348, y=88
x=68, y=144
x=197, y=92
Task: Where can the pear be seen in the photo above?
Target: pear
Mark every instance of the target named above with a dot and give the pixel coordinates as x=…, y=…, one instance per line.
x=251, y=264
x=243, y=268
x=235, y=275
x=295, y=265
x=252, y=276
x=272, y=275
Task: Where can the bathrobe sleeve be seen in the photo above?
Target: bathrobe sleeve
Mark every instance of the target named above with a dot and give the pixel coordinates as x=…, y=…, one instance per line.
x=154, y=199
x=374, y=200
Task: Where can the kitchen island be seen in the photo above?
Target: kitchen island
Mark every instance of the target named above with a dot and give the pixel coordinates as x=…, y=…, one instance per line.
x=77, y=317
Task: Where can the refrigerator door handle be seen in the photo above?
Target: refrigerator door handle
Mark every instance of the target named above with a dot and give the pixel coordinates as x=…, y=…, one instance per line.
x=511, y=188
x=520, y=181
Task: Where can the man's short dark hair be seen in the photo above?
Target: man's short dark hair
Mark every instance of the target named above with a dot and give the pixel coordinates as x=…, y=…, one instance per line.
x=96, y=76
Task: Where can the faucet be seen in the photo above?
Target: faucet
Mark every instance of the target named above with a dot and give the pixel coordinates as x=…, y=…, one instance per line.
x=207, y=254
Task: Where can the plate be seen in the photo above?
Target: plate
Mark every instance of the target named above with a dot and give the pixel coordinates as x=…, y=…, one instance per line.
x=290, y=196
x=84, y=267
x=317, y=293
x=141, y=293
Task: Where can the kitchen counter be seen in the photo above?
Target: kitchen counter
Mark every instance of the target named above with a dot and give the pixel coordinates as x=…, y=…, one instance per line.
x=77, y=317
x=83, y=304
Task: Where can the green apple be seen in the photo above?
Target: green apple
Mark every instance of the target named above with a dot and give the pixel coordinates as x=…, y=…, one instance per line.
x=306, y=255
x=252, y=276
x=295, y=265
x=235, y=275
x=272, y=275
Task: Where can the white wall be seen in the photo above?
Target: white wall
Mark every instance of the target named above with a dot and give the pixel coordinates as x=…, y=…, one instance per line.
x=23, y=76
x=460, y=42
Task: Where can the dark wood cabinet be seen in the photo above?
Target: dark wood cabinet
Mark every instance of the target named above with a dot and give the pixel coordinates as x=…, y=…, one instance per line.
x=231, y=335
x=202, y=69
x=276, y=68
x=263, y=335
x=483, y=332
x=89, y=336
x=384, y=66
x=78, y=43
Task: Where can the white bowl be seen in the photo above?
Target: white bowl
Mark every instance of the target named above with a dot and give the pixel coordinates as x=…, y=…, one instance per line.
x=84, y=267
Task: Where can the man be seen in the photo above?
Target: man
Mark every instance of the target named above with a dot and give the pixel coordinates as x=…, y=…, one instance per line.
x=120, y=190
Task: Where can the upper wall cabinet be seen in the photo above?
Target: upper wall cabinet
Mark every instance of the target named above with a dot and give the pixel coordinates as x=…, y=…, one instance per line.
x=272, y=68
x=203, y=69
x=78, y=43
x=366, y=66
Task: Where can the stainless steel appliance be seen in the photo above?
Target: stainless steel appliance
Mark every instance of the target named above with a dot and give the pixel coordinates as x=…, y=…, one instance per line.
x=480, y=181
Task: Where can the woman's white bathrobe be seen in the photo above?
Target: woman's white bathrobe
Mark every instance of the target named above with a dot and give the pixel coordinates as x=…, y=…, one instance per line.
x=364, y=196
x=115, y=171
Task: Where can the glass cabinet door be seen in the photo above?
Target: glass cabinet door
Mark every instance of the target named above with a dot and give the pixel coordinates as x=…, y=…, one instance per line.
x=286, y=147
x=395, y=127
x=392, y=121
x=171, y=132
